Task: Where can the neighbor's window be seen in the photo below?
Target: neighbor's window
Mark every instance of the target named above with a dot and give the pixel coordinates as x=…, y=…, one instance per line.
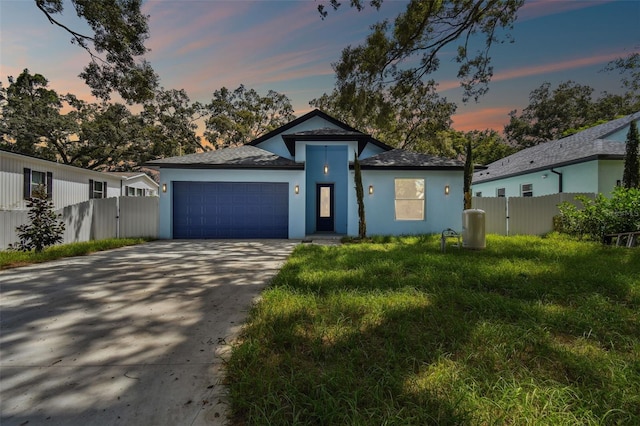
x=97, y=189
x=479, y=194
x=131, y=192
x=33, y=180
x=500, y=192
x=526, y=190
x=38, y=179
x=140, y=192
x=409, y=199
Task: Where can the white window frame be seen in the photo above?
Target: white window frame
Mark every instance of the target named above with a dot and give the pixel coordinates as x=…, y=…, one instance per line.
x=402, y=201
x=98, y=193
x=526, y=190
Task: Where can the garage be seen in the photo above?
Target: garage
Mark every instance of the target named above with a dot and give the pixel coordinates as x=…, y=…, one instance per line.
x=230, y=210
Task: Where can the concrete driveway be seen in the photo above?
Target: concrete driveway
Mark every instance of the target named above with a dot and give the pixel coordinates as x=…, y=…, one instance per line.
x=128, y=336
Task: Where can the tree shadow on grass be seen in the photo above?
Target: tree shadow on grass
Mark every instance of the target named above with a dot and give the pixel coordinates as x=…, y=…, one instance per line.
x=386, y=336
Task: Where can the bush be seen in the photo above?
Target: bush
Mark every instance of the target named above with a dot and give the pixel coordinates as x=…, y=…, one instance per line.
x=44, y=229
x=620, y=213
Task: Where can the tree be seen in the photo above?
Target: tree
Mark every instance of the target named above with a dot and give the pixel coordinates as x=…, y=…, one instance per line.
x=362, y=221
x=407, y=118
x=550, y=113
x=631, y=174
x=44, y=229
x=405, y=51
x=236, y=118
x=556, y=113
x=170, y=124
x=115, y=48
x=31, y=116
x=468, y=175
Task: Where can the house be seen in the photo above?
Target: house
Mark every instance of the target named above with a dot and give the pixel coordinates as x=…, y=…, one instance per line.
x=298, y=180
x=136, y=184
x=65, y=185
x=589, y=161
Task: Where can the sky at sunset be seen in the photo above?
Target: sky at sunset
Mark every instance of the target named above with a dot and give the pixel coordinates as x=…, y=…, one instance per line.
x=201, y=46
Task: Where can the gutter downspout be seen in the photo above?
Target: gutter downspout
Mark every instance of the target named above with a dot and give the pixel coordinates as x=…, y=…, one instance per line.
x=559, y=180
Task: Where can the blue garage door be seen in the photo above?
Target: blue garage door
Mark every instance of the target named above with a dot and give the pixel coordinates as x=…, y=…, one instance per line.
x=230, y=210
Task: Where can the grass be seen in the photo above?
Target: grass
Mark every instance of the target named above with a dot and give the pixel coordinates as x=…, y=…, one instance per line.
x=528, y=331
x=12, y=259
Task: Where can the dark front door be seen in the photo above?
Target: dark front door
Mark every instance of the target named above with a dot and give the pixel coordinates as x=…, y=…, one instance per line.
x=324, y=208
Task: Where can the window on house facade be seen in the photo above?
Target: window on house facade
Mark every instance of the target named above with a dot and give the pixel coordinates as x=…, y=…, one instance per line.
x=479, y=194
x=409, y=199
x=34, y=179
x=501, y=192
x=526, y=190
x=97, y=189
x=130, y=191
x=140, y=192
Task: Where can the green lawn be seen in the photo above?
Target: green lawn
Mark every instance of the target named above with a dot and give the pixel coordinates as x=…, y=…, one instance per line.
x=12, y=259
x=529, y=331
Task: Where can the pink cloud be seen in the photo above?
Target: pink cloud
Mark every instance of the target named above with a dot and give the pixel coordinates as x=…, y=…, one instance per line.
x=485, y=118
x=542, y=69
x=538, y=8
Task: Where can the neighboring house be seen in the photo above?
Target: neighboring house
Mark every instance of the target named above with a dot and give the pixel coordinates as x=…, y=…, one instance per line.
x=298, y=180
x=588, y=161
x=136, y=184
x=65, y=185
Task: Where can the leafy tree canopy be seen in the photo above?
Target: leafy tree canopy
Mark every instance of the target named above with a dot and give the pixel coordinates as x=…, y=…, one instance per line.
x=401, y=117
x=403, y=52
x=554, y=113
x=237, y=117
x=104, y=136
x=115, y=48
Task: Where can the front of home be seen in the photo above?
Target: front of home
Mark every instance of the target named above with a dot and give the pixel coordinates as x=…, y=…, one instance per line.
x=65, y=185
x=298, y=180
x=590, y=161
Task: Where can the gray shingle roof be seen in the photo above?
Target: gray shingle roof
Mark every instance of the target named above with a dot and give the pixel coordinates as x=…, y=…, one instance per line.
x=583, y=146
x=326, y=131
x=401, y=159
x=245, y=156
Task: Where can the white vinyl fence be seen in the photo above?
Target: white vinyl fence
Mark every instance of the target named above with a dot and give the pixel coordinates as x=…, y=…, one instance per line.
x=118, y=217
x=522, y=215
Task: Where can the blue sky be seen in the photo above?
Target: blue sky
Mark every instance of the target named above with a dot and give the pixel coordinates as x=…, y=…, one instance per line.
x=201, y=46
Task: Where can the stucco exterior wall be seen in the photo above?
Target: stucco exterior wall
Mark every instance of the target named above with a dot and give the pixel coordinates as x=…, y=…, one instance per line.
x=441, y=211
x=592, y=176
x=293, y=177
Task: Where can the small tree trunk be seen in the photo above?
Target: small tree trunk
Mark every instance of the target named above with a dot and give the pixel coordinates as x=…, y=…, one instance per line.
x=362, y=224
x=468, y=176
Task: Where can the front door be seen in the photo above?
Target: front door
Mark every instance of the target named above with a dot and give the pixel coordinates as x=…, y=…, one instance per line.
x=324, y=208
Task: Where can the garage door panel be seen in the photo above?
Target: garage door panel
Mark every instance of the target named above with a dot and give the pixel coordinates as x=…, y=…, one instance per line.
x=230, y=210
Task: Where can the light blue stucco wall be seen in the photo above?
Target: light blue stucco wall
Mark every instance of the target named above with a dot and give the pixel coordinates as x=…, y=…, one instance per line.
x=609, y=173
x=293, y=177
x=591, y=176
x=441, y=211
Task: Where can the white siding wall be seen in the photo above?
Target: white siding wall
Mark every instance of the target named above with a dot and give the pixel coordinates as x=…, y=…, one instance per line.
x=70, y=184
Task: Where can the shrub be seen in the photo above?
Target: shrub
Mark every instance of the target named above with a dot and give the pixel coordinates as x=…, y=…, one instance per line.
x=620, y=213
x=44, y=228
